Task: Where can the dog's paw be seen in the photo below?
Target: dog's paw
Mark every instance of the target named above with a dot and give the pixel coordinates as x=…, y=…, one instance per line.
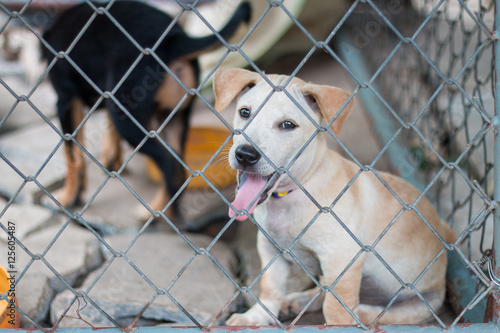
x=252, y=317
x=295, y=302
x=63, y=198
x=239, y=319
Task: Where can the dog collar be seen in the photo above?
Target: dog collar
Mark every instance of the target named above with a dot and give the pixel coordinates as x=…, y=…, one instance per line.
x=279, y=195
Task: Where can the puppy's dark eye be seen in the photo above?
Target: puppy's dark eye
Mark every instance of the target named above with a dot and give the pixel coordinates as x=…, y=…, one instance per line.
x=244, y=112
x=288, y=125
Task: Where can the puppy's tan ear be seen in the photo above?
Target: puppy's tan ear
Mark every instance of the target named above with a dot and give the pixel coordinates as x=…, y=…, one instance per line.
x=329, y=100
x=229, y=82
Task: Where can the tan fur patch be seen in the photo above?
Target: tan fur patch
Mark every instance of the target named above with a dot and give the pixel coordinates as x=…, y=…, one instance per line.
x=111, y=151
x=76, y=175
x=170, y=92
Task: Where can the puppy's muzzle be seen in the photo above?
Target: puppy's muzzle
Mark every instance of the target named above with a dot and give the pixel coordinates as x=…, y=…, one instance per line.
x=247, y=155
x=252, y=185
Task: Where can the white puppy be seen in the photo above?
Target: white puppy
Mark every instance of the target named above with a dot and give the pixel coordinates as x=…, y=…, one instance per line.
x=291, y=181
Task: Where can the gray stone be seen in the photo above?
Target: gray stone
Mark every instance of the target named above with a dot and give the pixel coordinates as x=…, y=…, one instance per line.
x=72, y=254
x=26, y=217
x=164, y=262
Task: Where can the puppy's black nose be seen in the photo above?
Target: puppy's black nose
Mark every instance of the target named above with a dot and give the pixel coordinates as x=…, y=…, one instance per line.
x=246, y=155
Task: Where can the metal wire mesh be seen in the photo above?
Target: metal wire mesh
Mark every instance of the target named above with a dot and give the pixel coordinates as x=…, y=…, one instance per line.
x=423, y=71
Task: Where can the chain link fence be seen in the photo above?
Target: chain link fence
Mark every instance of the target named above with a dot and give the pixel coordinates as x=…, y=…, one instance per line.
x=422, y=73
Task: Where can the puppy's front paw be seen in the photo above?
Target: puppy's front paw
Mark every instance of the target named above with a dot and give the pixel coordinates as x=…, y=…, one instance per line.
x=239, y=319
x=295, y=302
x=252, y=317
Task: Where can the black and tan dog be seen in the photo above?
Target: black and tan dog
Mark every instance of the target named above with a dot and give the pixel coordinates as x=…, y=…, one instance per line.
x=138, y=87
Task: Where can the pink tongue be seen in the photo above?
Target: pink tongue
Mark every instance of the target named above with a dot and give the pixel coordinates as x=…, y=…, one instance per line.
x=249, y=189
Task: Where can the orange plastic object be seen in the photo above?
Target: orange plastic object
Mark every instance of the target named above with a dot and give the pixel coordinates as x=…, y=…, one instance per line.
x=202, y=143
x=9, y=317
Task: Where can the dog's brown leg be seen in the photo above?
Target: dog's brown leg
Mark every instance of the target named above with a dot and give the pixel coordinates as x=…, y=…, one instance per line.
x=76, y=172
x=347, y=289
x=111, y=153
x=172, y=136
x=168, y=95
x=410, y=312
x=170, y=92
